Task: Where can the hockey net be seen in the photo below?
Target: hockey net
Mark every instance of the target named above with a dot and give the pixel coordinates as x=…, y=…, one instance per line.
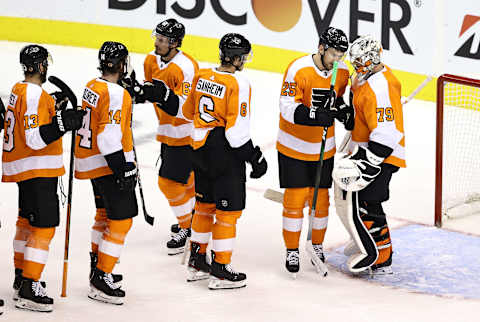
x=457, y=188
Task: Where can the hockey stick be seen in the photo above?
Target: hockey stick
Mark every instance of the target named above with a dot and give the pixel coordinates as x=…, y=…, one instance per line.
x=149, y=219
x=73, y=100
x=277, y=196
x=318, y=174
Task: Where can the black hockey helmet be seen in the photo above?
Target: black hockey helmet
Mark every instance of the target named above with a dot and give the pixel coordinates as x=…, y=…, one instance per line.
x=334, y=38
x=111, y=53
x=172, y=29
x=33, y=55
x=234, y=45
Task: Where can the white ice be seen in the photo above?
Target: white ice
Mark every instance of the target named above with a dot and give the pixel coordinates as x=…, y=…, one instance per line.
x=155, y=283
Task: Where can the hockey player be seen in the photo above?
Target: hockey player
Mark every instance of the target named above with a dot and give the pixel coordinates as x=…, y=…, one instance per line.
x=173, y=70
x=104, y=154
x=220, y=107
x=377, y=151
x=32, y=157
x=303, y=114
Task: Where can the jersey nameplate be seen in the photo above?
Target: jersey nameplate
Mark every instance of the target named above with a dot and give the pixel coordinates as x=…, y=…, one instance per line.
x=12, y=100
x=211, y=88
x=90, y=97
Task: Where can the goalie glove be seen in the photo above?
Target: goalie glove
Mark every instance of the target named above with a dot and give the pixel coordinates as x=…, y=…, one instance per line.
x=358, y=170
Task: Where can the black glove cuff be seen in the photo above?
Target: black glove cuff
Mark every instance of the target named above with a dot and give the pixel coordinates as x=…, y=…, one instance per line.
x=379, y=149
x=116, y=162
x=51, y=132
x=302, y=116
x=171, y=104
x=246, y=151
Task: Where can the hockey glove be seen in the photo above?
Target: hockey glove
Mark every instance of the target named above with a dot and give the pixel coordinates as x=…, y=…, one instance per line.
x=254, y=156
x=2, y=115
x=358, y=170
x=127, y=179
x=313, y=116
x=133, y=87
x=158, y=92
x=61, y=100
x=124, y=173
x=63, y=121
x=69, y=120
x=259, y=164
x=344, y=113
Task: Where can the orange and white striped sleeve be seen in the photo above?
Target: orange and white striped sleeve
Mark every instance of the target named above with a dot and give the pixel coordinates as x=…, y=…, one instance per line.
x=37, y=113
x=291, y=95
x=110, y=131
x=237, y=128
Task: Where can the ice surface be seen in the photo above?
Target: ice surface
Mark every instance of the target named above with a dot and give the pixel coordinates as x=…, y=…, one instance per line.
x=155, y=283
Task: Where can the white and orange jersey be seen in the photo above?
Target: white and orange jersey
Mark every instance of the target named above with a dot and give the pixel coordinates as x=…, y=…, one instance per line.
x=25, y=154
x=304, y=83
x=106, y=128
x=379, y=114
x=178, y=75
x=219, y=99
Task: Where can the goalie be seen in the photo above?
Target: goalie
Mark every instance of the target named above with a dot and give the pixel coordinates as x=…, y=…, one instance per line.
x=377, y=150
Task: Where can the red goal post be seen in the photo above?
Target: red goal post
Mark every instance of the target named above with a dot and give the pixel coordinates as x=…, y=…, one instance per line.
x=458, y=106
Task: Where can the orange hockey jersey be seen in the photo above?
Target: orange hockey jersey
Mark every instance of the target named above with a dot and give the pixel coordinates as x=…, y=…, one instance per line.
x=106, y=128
x=178, y=75
x=25, y=154
x=219, y=99
x=379, y=114
x=302, y=82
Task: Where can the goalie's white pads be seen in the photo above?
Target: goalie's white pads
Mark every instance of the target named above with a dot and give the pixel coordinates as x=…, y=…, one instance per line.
x=356, y=171
x=346, y=204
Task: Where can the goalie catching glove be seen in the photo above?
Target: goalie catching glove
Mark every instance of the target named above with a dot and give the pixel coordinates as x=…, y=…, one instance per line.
x=358, y=170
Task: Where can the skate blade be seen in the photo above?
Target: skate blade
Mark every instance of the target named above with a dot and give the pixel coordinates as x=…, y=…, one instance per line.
x=320, y=266
x=293, y=275
x=218, y=284
x=175, y=251
x=15, y=295
x=97, y=295
x=25, y=304
x=379, y=271
x=195, y=275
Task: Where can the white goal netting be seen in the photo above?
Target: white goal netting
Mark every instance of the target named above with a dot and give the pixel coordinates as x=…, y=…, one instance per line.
x=461, y=150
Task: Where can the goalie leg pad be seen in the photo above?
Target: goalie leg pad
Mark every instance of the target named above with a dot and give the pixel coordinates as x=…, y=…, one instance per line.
x=349, y=212
x=374, y=218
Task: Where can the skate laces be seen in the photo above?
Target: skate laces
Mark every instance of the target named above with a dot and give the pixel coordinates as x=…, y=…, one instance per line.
x=38, y=289
x=292, y=257
x=182, y=234
x=229, y=269
x=108, y=278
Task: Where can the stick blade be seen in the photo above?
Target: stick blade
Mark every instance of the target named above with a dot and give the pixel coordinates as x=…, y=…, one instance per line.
x=273, y=195
x=149, y=219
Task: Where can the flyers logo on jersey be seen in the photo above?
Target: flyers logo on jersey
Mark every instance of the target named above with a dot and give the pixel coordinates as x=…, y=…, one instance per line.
x=90, y=97
x=12, y=100
x=211, y=88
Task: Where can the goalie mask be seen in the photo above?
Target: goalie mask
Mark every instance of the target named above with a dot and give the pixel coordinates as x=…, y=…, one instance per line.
x=365, y=55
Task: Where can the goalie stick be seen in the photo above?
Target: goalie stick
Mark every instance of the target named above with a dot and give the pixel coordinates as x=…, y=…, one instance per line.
x=277, y=196
x=73, y=100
